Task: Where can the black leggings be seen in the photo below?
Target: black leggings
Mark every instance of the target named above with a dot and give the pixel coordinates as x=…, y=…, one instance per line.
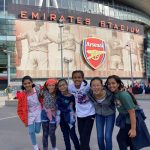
x=85, y=126
x=48, y=129
x=69, y=133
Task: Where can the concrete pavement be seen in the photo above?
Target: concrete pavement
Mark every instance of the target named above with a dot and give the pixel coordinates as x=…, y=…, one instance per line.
x=14, y=136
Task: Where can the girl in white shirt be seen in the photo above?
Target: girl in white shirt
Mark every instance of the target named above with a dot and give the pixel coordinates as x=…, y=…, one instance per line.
x=84, y=108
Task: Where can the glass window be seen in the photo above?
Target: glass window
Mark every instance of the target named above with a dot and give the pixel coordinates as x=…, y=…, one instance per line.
x=64, y=4
x=59, y=3
x=1, y=2
x=11, y=33
x=2, y=21
x=2, y=27
x=32, y=2
x=24, y=2
x=78, y=5
x=53, y=3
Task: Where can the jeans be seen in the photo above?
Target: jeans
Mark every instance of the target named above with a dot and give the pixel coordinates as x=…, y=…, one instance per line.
x=85, y=126
x=33, y=129
x=104, y=126
x=67, y=133
x=48, y=130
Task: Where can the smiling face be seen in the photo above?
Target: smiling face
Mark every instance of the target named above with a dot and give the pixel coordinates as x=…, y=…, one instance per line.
x=51, y=88
x=113, y=86
x=77, y=79
x=27, y=84
x=96, y=87
x=62, y=86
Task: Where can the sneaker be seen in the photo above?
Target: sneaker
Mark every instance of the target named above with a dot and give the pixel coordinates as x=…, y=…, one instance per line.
x=54, y=148
x=36, y=147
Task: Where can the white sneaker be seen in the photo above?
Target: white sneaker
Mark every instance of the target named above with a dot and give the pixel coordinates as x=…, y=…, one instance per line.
x=54, y=148
x=36, y=147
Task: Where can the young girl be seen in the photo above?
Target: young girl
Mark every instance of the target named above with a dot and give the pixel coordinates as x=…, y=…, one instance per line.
x=49, y=113
x=29, y=108
x=103, y=101
x=133, y=131
x=84, y=108
x=66, y=104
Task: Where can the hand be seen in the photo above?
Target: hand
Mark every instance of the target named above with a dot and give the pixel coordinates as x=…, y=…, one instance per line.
x=132, y=133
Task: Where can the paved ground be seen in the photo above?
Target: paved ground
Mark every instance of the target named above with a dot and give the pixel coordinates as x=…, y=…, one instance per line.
x=14, y=136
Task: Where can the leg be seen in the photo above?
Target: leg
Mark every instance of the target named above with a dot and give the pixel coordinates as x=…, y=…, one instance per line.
x=31, y=64
x=74, y=138
x=110, y=120
x=52, y=129
x=123, y=138
x=65, y=130
x=37, y=127
x=81, y=124
x=32, y=133
x=45, y=126
x=42, y=60
x=100, y=122
x=87, y=123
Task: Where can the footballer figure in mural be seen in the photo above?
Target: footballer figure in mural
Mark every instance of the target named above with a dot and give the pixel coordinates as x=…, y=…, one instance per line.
x=116, y=55
x=38, y=40
x=69, y=46
x=133, y=47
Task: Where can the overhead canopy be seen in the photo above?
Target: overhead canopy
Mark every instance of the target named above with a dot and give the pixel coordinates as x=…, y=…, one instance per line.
x=143, y=5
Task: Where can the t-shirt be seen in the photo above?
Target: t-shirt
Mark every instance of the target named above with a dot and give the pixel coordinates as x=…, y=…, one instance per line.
x=34, y=108
x=100, y=100
x=124, y=102
x=84, y=106
x=63, y=102
x=66, y=105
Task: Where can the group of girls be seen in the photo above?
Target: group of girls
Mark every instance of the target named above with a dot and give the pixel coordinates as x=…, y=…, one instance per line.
x=58, y=103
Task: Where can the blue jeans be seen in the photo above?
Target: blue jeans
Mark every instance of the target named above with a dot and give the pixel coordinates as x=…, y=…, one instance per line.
x=33, y=129
x=104, y=126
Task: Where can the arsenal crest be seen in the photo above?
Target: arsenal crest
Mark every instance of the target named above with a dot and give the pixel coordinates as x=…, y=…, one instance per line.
x=94, y=51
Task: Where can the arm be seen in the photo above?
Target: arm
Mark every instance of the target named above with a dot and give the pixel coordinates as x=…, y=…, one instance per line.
x=129, y=105
x=132, y=131
x=21, y=37
x=22, y=108
x=117, y=46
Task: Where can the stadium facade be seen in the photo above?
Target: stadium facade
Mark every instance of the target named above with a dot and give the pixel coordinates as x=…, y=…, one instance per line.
x=51, y=38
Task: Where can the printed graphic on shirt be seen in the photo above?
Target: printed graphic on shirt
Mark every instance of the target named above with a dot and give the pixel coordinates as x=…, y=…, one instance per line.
x=118, y=103
x=81, y=98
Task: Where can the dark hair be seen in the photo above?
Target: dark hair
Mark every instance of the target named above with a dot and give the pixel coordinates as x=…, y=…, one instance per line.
x=82, y=74
x=117, y=79
x=62, y=80
x=27, y=78
x=58, y=92
x=121, y=86
x=133, y=98
x=96, y=78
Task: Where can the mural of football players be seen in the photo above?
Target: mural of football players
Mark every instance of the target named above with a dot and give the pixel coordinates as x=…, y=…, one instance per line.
x=132, y=46
x=69, y=46
x=116, y=55
x=38, y=40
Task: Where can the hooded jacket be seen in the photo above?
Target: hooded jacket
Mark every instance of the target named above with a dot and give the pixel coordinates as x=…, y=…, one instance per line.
x=106, y=107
